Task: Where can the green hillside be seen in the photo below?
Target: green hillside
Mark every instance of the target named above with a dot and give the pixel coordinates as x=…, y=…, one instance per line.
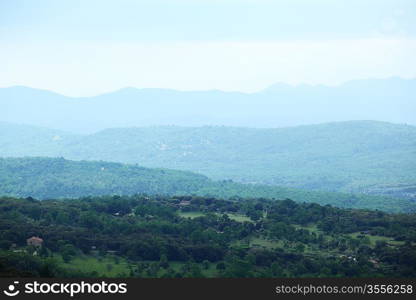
x=46, y=178
x=353, y=157
x=21, y=140
x=157, y=236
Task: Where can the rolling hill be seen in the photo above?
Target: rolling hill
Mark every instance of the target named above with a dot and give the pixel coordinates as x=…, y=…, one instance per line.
x=47, y=178
x=353, y=157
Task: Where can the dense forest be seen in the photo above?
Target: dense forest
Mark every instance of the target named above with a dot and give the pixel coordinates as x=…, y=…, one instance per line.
x=45, y=178
x=191, y=236
x=354, y=157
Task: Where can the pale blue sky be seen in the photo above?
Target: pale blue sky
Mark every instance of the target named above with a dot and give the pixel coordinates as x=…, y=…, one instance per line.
x=85, y=47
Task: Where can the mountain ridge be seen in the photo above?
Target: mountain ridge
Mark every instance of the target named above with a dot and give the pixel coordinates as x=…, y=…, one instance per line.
x=279, y=84
x=355, y=157
x=390, y=100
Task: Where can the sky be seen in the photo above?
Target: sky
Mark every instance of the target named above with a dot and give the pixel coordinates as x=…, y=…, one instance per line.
x=89, y=47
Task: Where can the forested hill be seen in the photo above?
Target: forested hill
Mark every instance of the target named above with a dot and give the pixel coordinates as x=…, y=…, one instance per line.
x=46, y=178
x=358, y=156
x=59, y=178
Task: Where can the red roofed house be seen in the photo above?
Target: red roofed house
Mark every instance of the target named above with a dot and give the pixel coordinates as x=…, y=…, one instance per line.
x=34, y=241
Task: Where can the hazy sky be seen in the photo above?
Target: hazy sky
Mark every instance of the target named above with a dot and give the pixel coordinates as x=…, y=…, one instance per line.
x=87, y=47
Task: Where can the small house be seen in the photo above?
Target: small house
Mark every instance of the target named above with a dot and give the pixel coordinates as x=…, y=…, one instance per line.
x=34, y=241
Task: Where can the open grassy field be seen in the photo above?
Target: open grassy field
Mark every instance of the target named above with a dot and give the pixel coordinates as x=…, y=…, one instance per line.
x=116, y=266
x=191, y=214
x=239, y=218
x=195, y=214
x=108, y=266
x=377, y=238
x=265, y=243
x=260, y=242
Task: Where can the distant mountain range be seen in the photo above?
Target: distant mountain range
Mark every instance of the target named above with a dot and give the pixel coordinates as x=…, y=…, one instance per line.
x=352, y=157
x=281, y=105
x=52, y=178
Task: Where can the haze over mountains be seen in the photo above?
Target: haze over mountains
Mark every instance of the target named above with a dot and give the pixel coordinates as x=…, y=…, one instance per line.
x=357, y=156
x=281, y=105
x=349, y=155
